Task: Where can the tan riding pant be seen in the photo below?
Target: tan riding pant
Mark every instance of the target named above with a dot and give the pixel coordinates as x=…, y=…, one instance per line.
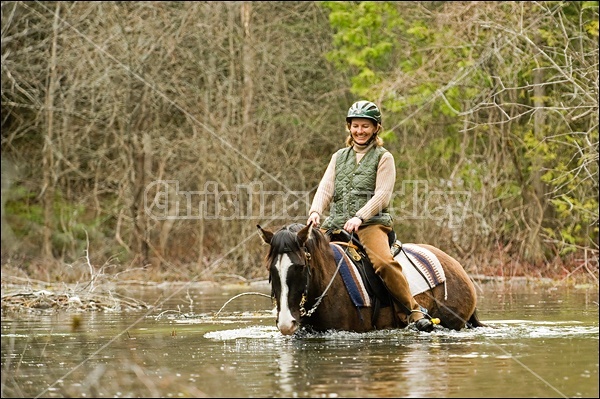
x=375, y=240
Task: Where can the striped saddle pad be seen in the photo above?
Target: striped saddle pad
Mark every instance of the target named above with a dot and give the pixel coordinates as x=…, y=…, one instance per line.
x=420, y=266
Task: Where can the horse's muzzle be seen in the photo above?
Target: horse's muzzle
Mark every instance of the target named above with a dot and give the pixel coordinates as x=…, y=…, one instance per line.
x=289, y=327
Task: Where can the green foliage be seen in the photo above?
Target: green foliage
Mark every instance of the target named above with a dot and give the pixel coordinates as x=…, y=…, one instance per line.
x=388, y=136
x=574, y=199
x=364, y=39
x=444, y=148
x=22, y=210
x=536, y=156
x=70, y=231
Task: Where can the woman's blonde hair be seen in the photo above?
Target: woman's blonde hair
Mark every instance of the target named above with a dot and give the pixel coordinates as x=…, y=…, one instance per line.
x=378, y=140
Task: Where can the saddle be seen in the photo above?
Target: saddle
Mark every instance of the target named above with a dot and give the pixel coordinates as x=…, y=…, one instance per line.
x=343, y=236
x=378, y=292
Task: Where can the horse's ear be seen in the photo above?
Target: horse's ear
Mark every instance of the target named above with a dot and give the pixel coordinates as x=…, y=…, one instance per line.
x=265, y=235
x=305, y=234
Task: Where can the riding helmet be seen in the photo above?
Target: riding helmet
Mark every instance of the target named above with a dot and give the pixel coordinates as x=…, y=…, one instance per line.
x=364, y=109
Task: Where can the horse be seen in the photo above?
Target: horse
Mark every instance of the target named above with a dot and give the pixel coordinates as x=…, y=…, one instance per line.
x=304, y=274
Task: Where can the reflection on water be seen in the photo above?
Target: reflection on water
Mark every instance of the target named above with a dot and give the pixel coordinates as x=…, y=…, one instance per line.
x=539, y=343
x=445, y=363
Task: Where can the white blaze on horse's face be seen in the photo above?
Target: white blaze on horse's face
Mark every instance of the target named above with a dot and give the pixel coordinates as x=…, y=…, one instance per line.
x=286, y=323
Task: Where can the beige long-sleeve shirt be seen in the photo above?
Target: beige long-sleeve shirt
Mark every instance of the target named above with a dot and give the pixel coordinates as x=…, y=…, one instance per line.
x=384, y=185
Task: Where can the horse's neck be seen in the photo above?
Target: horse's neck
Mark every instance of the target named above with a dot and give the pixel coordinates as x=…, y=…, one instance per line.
x=323, y=271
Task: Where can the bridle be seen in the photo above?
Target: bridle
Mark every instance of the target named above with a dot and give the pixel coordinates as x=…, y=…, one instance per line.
x=307, y=260
x=304, y=312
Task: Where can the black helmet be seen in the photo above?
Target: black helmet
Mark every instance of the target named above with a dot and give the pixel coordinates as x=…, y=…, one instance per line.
x=364, y=109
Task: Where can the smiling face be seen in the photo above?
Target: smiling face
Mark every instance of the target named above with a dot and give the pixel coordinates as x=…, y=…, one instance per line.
x=362, y=129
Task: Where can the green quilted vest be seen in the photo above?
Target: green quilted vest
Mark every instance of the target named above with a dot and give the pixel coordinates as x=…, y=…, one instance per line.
x=354, y=186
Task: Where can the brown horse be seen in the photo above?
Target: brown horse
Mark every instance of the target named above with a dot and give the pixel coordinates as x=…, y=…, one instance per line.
x=304, y=275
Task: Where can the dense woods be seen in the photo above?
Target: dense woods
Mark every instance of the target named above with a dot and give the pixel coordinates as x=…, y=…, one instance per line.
x=154, y=136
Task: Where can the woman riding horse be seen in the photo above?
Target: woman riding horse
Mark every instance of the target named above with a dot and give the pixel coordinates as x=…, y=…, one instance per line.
x=310, y=287
x=358, y=183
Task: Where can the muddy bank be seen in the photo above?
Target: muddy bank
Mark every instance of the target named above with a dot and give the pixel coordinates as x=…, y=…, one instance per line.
x=20, y=294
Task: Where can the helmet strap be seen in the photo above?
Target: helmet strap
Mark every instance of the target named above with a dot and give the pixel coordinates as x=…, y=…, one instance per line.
x=368, y=143
x=374, y=135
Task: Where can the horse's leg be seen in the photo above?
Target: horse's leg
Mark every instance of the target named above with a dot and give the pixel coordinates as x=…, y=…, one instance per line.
x=475, y=322
x=455, y=310
x=387, y=318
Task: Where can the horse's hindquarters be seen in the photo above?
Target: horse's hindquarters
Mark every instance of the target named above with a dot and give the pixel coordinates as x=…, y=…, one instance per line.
x=454, y=301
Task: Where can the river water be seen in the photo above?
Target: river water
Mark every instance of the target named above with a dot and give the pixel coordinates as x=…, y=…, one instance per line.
x=206, y=341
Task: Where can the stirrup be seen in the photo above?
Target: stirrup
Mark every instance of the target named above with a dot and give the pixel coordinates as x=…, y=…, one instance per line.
x=426, y=316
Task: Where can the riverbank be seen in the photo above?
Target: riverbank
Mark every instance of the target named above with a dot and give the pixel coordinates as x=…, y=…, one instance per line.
x=36, y=285
x=25, y=294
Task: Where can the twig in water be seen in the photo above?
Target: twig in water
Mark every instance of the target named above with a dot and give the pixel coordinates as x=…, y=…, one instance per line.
x=167, y=311
x=239, y=295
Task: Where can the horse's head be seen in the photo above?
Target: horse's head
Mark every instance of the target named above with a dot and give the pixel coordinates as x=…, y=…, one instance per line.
x=288, y=262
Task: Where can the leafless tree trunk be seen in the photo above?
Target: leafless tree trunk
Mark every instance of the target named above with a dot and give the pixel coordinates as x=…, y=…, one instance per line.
x=49, y=172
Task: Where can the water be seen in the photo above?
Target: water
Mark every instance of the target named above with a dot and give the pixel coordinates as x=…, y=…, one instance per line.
x=200, y=342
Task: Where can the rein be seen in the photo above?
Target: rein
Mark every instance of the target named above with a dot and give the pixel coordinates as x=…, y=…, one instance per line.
x=309, y=313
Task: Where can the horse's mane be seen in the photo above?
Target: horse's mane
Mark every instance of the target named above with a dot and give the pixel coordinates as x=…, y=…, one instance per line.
x=318, y=244
x=286, y=240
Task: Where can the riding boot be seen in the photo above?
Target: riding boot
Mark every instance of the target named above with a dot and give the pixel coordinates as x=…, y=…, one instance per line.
x=408, y=310
x=375, y=241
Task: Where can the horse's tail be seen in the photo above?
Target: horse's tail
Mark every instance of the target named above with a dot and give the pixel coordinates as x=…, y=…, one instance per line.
x=474, y=321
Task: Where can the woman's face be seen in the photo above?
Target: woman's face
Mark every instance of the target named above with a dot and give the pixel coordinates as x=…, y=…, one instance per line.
x=362, y=129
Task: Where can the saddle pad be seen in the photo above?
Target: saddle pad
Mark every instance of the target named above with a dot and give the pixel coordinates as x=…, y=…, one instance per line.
x=429, y=274
x=352, y=279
